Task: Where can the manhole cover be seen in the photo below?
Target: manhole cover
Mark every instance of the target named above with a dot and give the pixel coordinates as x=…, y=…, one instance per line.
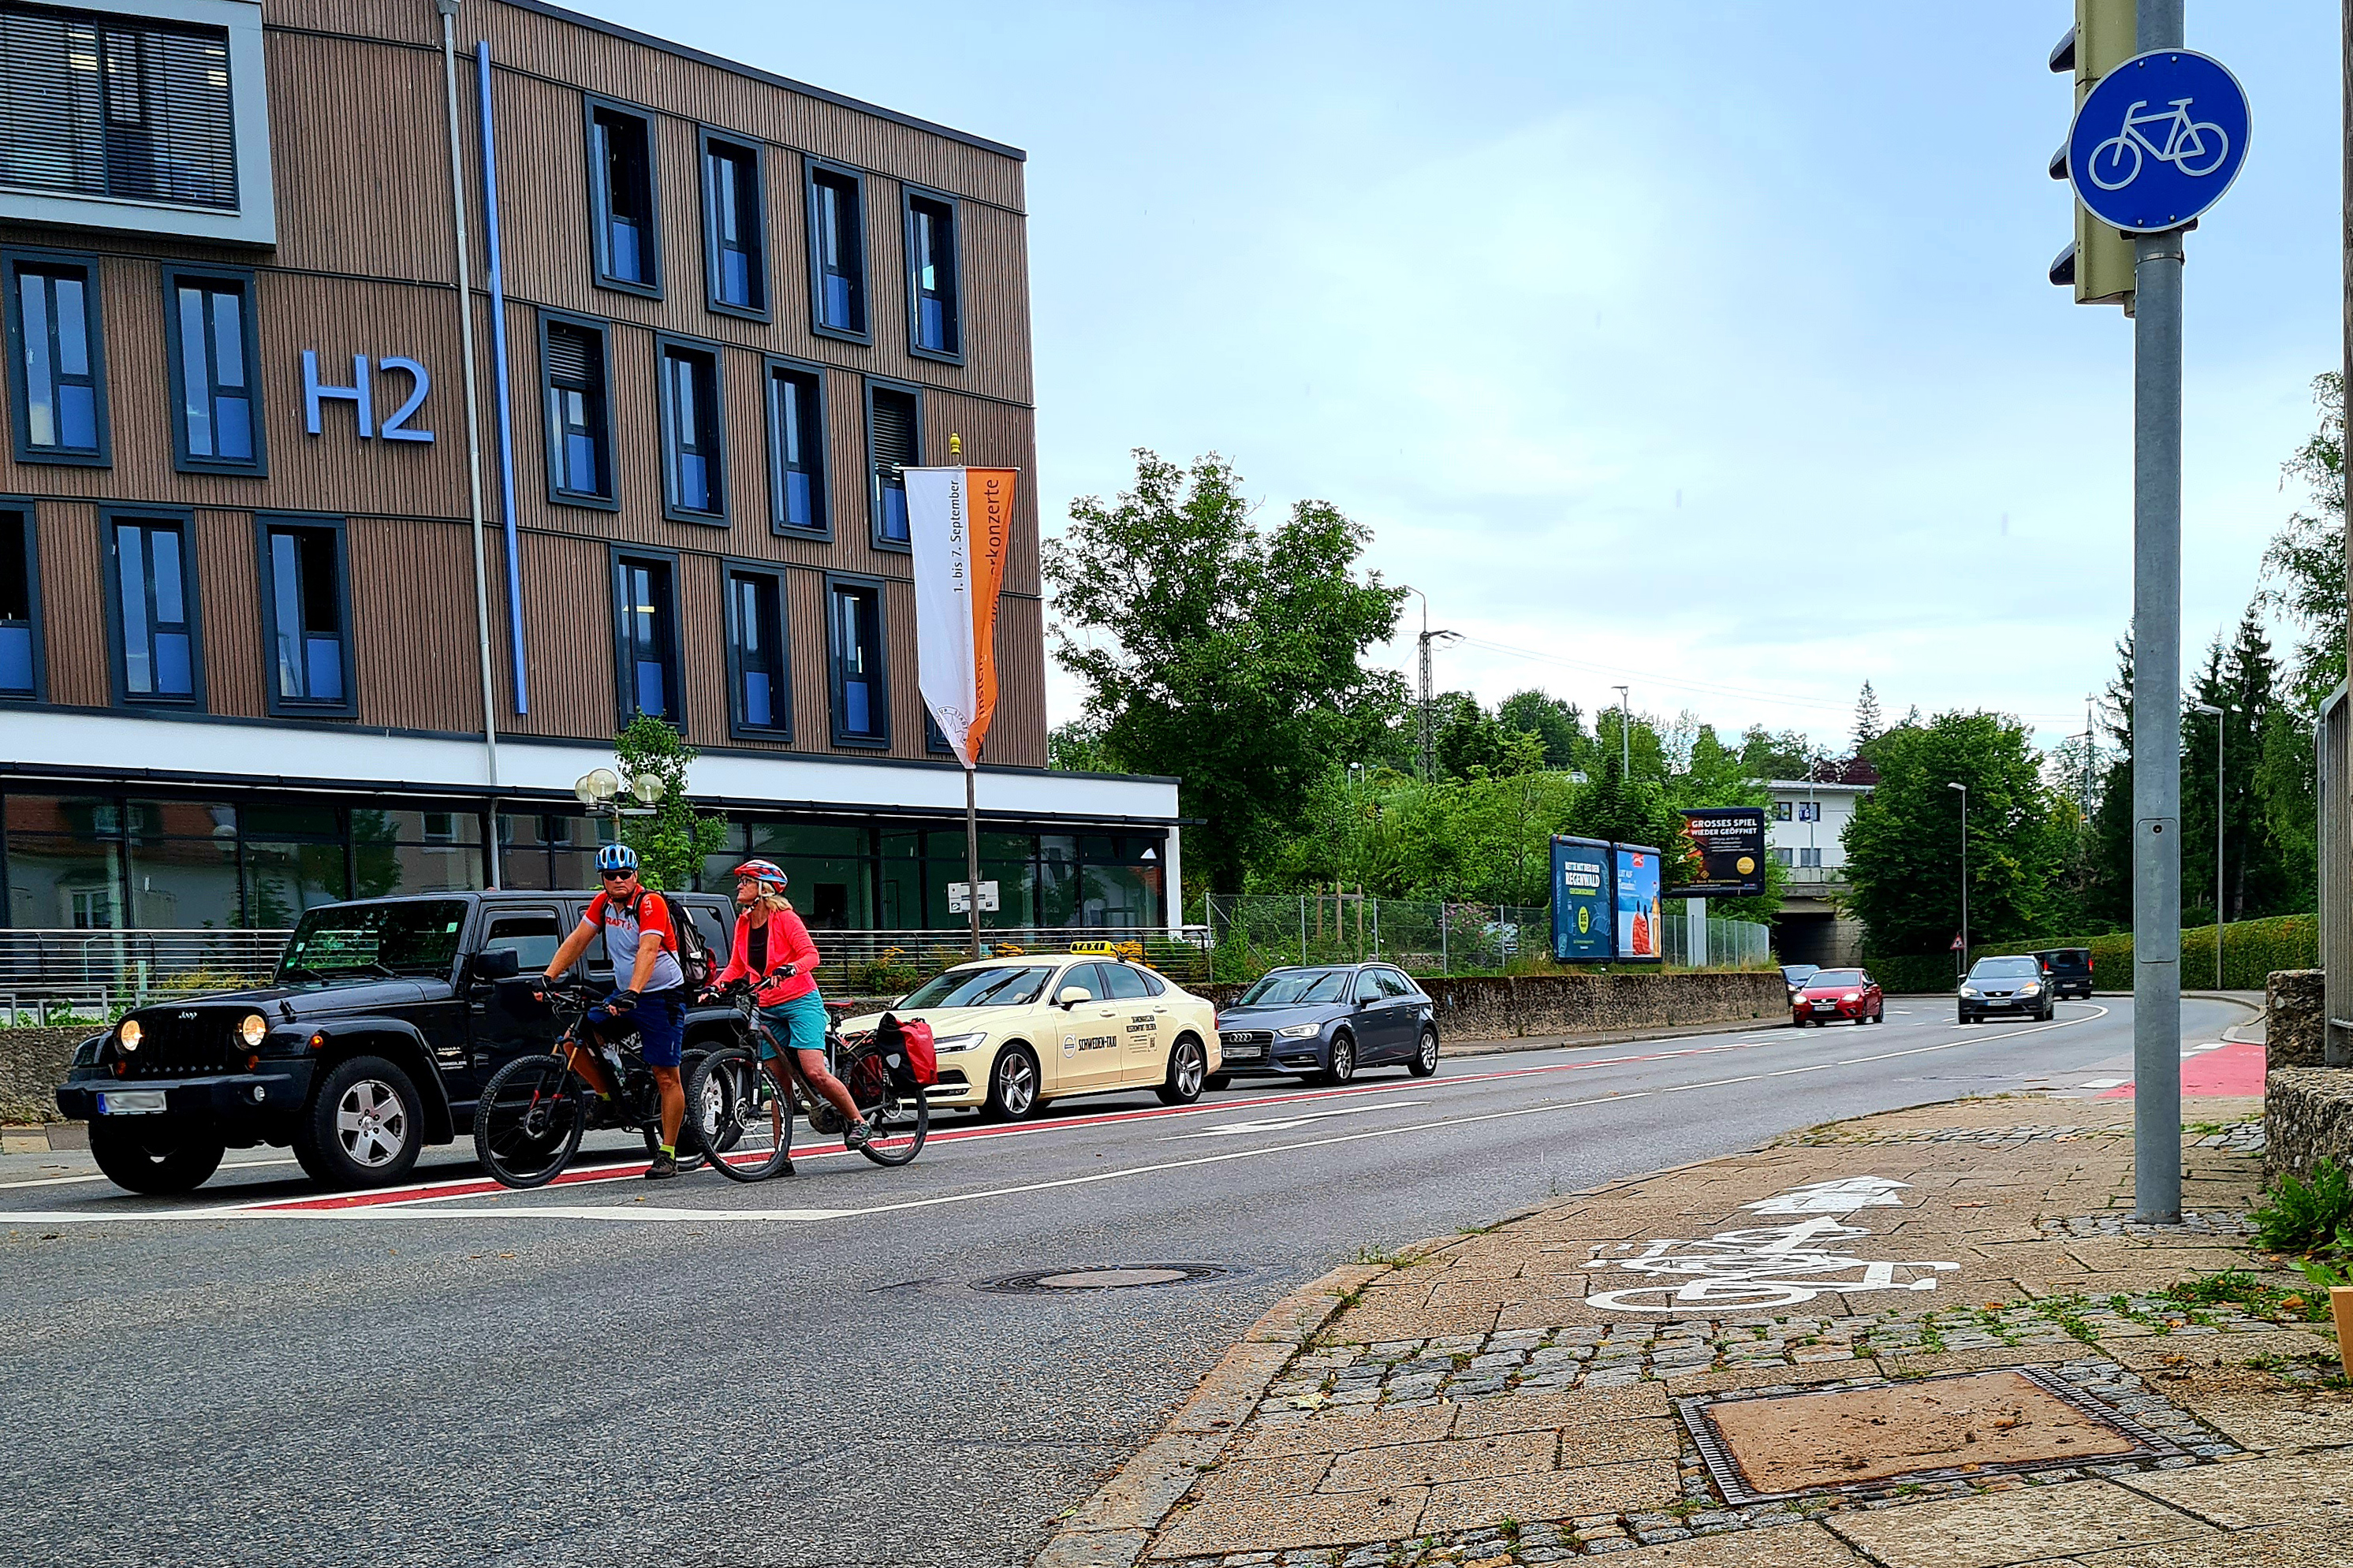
x=1104, y=1277
x=1937, y=1428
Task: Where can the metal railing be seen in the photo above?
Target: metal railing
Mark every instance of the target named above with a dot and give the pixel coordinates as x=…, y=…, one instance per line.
x=864, y=961
x=1250, y=933
x=39, y=966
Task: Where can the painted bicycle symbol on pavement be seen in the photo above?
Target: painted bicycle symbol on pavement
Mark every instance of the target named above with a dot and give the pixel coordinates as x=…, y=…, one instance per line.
x=1770, y=1266
x=2196, y=147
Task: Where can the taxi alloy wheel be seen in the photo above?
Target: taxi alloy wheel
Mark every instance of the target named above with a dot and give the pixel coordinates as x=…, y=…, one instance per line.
x=1189, y=1066
x=1012, y=1085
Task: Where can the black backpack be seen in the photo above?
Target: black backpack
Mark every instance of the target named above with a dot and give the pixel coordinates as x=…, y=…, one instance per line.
x=694, y=960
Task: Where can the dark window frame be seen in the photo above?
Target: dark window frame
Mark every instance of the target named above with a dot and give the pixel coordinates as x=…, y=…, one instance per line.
x=771, y=367
x=266, y=523
x=909, y=197
x=624, y=681
x=706, y=140
x=835, y=582
x=603, y=333
x=936, y=740
x=23, y=507
x=665, y=346
x=874, y=485
x=110, y=519
x=174, y=279
x=599, y=198
x=812, y=170
x=781, y=699
x=12, y=259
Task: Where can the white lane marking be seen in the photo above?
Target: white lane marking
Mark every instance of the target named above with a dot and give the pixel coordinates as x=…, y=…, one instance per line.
x=713, y=1215
x=95, y=1176
x=2103, y=1083
x=1286, y=1124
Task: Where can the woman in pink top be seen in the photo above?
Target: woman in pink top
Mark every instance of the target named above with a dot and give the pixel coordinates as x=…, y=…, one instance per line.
x=773, y=951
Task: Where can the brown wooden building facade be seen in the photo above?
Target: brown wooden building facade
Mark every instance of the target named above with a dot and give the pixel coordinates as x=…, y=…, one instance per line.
x=713, y=314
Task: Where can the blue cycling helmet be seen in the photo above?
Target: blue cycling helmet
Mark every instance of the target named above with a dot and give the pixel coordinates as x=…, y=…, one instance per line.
x=617, y=857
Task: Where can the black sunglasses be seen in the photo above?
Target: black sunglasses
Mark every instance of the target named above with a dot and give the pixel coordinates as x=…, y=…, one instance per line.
x=616, y=876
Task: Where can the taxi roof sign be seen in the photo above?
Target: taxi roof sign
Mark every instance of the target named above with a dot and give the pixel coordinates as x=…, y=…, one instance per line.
x=1105, y=948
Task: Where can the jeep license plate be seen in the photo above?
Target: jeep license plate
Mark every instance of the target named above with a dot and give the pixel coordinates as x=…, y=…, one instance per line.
x=132, y=1102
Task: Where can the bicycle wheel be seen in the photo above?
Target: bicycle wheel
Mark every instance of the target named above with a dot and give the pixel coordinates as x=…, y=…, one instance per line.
x=692, y=1128
x=748, y=1119
x=528, y=1124
x=898, y=1118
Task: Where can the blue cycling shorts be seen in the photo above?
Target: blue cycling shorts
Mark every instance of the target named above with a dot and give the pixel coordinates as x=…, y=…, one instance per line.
x=659, y=1018
x=798, y=1024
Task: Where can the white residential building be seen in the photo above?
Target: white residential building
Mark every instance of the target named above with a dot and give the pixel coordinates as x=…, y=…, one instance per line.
x=1805, y=830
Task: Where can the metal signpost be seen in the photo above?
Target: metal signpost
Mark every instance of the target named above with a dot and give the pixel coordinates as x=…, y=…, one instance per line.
x=2154, y=145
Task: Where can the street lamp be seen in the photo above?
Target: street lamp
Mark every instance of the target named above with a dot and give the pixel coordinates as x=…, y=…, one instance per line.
x=1965, y=872
x=2216, y=714
x=1625, y=733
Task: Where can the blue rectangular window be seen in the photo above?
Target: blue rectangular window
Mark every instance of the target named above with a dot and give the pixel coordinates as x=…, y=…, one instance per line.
x=838, y=251
x=893, y=444
x=796, y=499
x=755, y=634
x=647, y=634
x=624, y=211
x=57, y=365
x=212, y=344
x=734, y=228
x=861, y=708
x=935, y=306
x=20, y=626
x=579, y=438
x=693, y=473
x=305, y=616
x=155, y=594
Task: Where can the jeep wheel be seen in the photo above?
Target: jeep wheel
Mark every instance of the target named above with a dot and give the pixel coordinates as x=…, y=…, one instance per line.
x=153, y=1153
x=363, y=1127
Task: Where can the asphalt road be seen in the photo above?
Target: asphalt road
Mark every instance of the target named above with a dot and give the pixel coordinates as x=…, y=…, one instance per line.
x=802, y=1372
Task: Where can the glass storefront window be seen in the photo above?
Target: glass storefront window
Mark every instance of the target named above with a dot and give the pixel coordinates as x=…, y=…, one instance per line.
x=282, y=880
x=431, y=868
x=289, y=822
x=54, y=880
x=181, y=884
x=1117, y=896
x=771, y=840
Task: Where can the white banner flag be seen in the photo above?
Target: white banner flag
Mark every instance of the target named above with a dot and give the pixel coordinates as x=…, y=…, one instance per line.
x=939, y=525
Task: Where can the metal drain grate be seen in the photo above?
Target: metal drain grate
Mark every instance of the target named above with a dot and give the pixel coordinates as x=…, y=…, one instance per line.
x=1104, y=1277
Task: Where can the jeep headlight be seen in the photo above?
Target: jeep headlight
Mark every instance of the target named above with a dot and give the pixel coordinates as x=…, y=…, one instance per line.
x=1299, y=1031
x=948, y=1043
x=127, y=1034
x=251, y=1029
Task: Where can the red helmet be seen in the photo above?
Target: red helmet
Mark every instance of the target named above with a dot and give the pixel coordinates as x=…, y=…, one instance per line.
x=767, y=873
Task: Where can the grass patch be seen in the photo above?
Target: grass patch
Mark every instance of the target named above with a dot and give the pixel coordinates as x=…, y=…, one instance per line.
x=2239, y=1287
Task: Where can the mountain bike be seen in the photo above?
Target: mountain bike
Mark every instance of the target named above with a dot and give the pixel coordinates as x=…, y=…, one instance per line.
x=534, y=1110
x=748, y=1106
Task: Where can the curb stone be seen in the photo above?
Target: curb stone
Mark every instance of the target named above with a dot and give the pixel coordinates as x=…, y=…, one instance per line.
x=1110, y=1529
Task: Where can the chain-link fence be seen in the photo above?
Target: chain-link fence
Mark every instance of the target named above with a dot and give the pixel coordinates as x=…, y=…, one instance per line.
x=1250, y=933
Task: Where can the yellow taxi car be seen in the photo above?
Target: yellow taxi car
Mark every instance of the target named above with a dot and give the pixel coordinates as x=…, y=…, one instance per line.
x=1013, y=1033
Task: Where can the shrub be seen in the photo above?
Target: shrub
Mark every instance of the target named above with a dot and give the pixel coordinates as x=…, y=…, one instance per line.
x=2305, y=1216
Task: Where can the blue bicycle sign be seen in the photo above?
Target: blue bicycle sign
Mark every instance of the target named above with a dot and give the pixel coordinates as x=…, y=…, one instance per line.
x=2159, y=141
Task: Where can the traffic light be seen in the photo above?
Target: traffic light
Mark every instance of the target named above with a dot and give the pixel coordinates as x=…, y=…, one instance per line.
x=2099, y=263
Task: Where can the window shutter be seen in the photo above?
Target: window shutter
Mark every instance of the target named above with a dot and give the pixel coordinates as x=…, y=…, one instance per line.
x=573, y=359
x=116, y=107
x=894, y=433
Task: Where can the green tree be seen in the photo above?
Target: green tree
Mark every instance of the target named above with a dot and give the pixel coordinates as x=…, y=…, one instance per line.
x=676, y=839
x=2305, y=563
x=1229, y=656
x=1558, y=725
x=1765, y=755
x=1903, y=847
x=1868, y=725
x=2107, y=898
x=1078, y=747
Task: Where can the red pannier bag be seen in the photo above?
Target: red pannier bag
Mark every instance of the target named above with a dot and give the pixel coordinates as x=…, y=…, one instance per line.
x=907, y=1051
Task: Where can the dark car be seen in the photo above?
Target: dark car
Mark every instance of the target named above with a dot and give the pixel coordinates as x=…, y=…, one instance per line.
x=1795, y=976
x=384, y=1020
x=2070, y=969
x=1827, y=994
x=2016, y=982
x=1326, y=1021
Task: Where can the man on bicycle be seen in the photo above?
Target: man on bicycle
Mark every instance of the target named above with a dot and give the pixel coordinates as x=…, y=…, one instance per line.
x=773, y=954
x=641, y=940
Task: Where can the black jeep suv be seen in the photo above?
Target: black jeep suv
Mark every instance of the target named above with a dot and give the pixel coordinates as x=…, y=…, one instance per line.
x=384, y=1021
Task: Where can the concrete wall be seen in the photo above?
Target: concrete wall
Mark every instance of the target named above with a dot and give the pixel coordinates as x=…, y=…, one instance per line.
x=32, y=1065
x=1509, y=1008
x=2308, y=1116
x=2296, y=1018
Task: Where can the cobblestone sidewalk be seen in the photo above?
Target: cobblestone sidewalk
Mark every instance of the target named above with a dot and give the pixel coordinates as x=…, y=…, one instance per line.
x=1573, y=1383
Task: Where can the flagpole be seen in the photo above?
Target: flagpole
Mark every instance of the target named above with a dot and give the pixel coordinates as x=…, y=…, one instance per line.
x=972, y=853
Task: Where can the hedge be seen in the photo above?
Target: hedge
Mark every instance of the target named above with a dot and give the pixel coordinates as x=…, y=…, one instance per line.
x=2251, y=950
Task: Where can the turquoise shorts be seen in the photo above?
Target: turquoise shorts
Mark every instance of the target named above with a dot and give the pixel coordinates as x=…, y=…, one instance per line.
x=798, y=1024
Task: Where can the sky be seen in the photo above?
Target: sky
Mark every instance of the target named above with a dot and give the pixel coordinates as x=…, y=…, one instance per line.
x=1702, y=347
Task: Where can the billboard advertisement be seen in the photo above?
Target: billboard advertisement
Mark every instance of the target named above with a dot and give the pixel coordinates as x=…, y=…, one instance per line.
x=1580, y=901
x=1731, y=844
x=1637, y=903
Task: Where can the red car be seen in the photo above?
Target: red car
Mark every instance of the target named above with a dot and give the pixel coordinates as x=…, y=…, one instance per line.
x=1837, y=993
